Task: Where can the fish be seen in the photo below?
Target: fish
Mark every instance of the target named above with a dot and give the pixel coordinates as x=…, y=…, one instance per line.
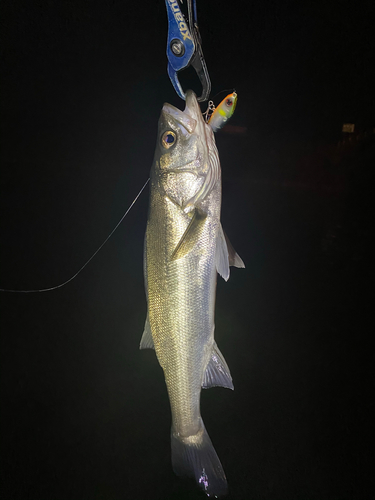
x=185, y=248
x=223, y=112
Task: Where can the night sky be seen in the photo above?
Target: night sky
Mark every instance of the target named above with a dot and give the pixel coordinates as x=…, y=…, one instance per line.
x=84, y=413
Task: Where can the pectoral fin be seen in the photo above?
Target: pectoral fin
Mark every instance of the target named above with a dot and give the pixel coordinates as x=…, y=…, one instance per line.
x=190, y=236
x=146, y=340
x=217, y=372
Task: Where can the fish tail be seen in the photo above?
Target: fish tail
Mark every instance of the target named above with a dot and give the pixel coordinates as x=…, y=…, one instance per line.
x=195, y=456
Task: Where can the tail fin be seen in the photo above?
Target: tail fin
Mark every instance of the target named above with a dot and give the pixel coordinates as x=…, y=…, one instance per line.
x=196, y=457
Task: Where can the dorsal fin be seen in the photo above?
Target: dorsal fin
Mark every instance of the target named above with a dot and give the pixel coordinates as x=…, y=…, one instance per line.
x=146, y=340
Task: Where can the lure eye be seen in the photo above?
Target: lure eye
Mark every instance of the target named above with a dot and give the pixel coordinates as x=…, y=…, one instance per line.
x=229, y=102
x=168, y=139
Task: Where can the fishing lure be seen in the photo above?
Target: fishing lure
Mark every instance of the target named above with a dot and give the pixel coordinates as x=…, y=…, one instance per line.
x=222, y=113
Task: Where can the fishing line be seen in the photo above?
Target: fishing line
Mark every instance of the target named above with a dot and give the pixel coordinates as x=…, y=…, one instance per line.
x=225, y=90
x=90, y=259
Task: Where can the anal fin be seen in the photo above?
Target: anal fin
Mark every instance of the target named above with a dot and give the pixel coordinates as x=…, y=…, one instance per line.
x=217, y=373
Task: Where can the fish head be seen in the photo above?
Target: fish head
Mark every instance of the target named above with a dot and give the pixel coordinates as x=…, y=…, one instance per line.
x=182, y=156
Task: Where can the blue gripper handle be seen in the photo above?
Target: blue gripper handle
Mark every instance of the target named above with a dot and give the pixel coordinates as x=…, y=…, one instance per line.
x=180, y=44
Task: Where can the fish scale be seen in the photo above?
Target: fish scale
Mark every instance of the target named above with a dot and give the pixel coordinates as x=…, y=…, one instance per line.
x=184, y=316
x=184, y=249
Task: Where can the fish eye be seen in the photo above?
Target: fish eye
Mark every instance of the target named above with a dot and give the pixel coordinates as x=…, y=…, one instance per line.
x=229, y=102
x=168, y=139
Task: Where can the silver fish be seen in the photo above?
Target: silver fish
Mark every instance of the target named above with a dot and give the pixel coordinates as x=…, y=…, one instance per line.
x=185, y=247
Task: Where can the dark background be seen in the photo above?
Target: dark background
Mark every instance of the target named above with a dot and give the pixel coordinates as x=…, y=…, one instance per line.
x=84, y=413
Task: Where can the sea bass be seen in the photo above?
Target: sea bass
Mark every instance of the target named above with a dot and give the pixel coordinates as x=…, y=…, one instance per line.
x=185, y=248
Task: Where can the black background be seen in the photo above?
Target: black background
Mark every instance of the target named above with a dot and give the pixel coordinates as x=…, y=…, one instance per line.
x=84, y=413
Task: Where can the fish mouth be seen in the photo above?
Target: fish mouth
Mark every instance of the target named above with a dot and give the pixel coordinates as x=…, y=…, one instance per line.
x=190, y=117
x=182, y=118
x=192, y=107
